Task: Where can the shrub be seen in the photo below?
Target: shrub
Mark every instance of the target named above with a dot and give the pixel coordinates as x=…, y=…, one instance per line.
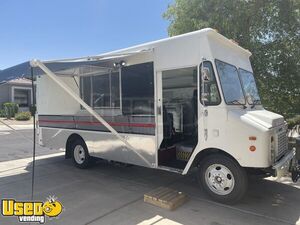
x=32, y=109
x=2, y=113
x=293, y=121
x=23, y=116
x=10, y=109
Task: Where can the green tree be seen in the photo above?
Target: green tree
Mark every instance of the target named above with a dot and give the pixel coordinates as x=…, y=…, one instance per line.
x=270, y=29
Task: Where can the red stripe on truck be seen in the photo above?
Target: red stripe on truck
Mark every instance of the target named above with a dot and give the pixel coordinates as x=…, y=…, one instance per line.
x=148, y=125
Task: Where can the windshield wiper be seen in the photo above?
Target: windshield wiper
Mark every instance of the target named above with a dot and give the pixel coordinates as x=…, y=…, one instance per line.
x=255, y=102
x=237, y=102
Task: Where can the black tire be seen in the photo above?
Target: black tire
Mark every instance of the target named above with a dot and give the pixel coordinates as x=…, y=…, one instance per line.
x=236, y=176
x=85, y=160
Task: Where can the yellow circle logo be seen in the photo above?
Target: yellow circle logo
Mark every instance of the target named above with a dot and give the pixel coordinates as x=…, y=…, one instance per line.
x=52, y=208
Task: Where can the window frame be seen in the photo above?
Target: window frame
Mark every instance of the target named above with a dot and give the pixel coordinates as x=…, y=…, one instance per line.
x=222, y=86
x=200, y=84
x=260, y=103
x=123, y=109
x=91, y=103
x=29, y=98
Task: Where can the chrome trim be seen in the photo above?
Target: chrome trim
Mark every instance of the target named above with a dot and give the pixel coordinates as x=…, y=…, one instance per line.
x=122, y=124
x=288, y=157
x=170, y=169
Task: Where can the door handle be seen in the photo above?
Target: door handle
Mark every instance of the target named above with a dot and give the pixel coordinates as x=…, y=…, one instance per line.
x=159, y=110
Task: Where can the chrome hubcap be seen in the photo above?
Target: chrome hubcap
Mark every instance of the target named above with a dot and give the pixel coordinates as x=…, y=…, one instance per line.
x=79, y=154
x=219, y=179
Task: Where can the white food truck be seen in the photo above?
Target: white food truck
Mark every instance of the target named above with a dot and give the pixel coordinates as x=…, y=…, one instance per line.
x=181, y=103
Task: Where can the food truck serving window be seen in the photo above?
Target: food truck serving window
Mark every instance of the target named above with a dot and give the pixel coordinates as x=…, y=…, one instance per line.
x=101, y=91
x=138, y=89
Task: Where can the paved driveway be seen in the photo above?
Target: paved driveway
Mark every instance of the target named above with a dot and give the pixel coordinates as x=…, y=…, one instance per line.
x=110, y=194
x=16, y=142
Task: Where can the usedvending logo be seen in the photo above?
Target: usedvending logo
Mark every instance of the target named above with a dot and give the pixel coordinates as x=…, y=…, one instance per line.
x=31, y=211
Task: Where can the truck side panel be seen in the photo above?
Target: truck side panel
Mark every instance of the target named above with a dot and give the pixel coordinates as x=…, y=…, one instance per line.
x=104, y=144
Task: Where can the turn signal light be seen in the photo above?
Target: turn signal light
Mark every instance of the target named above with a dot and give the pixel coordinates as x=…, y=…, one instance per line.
x=252, y=148
x=252, y=138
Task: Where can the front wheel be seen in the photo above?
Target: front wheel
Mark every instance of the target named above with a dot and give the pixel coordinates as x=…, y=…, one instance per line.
x=222, y=178
x=80, y=153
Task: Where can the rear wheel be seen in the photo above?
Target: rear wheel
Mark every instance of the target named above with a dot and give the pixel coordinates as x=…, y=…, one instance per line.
x=80, y=154
x=222, y=178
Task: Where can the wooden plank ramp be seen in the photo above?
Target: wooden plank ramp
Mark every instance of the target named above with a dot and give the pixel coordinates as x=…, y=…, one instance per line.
x=166, y=198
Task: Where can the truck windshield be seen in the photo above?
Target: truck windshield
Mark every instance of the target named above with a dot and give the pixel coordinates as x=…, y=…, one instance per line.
x=249, y=86
x=230, y=82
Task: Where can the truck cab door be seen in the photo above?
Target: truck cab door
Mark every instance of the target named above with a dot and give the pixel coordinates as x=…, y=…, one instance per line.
x=209, y=97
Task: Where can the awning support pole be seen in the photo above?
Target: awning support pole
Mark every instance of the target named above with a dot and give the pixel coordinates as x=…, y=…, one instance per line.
x=66, y=88
x=34, y=132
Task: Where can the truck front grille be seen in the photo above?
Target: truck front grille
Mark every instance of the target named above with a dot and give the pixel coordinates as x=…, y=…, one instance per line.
x=282, y=144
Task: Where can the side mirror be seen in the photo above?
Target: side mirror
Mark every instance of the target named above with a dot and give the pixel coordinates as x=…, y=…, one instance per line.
x=206, y=74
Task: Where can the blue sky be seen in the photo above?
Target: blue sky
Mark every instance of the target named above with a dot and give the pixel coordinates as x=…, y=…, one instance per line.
x=52, y=29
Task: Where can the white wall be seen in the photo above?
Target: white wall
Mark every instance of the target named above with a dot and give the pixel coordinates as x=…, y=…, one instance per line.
x=53, y=100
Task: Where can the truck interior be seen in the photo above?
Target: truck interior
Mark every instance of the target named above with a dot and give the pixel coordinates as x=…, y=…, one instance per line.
x=179, y=112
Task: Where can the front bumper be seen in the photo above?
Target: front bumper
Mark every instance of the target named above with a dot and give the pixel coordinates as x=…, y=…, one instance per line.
x=281, y=167
x=289, y=163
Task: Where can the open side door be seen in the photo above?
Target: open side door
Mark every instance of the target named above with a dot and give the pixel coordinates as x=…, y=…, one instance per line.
x=177, y=116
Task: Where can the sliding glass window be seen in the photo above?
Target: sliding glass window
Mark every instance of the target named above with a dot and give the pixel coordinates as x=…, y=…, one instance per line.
x=101, y=91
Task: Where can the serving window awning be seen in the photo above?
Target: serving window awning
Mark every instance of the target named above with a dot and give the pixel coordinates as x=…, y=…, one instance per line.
x=67, y=67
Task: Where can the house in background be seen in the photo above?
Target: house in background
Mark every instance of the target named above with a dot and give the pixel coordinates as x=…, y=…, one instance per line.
x=18, y=91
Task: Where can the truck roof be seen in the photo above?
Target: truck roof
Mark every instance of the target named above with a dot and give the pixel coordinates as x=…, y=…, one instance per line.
x=23, y=70
x=209, y=32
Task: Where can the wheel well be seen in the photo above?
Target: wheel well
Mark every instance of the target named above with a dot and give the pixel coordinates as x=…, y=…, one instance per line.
x=69, y=142
x=210, y=151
